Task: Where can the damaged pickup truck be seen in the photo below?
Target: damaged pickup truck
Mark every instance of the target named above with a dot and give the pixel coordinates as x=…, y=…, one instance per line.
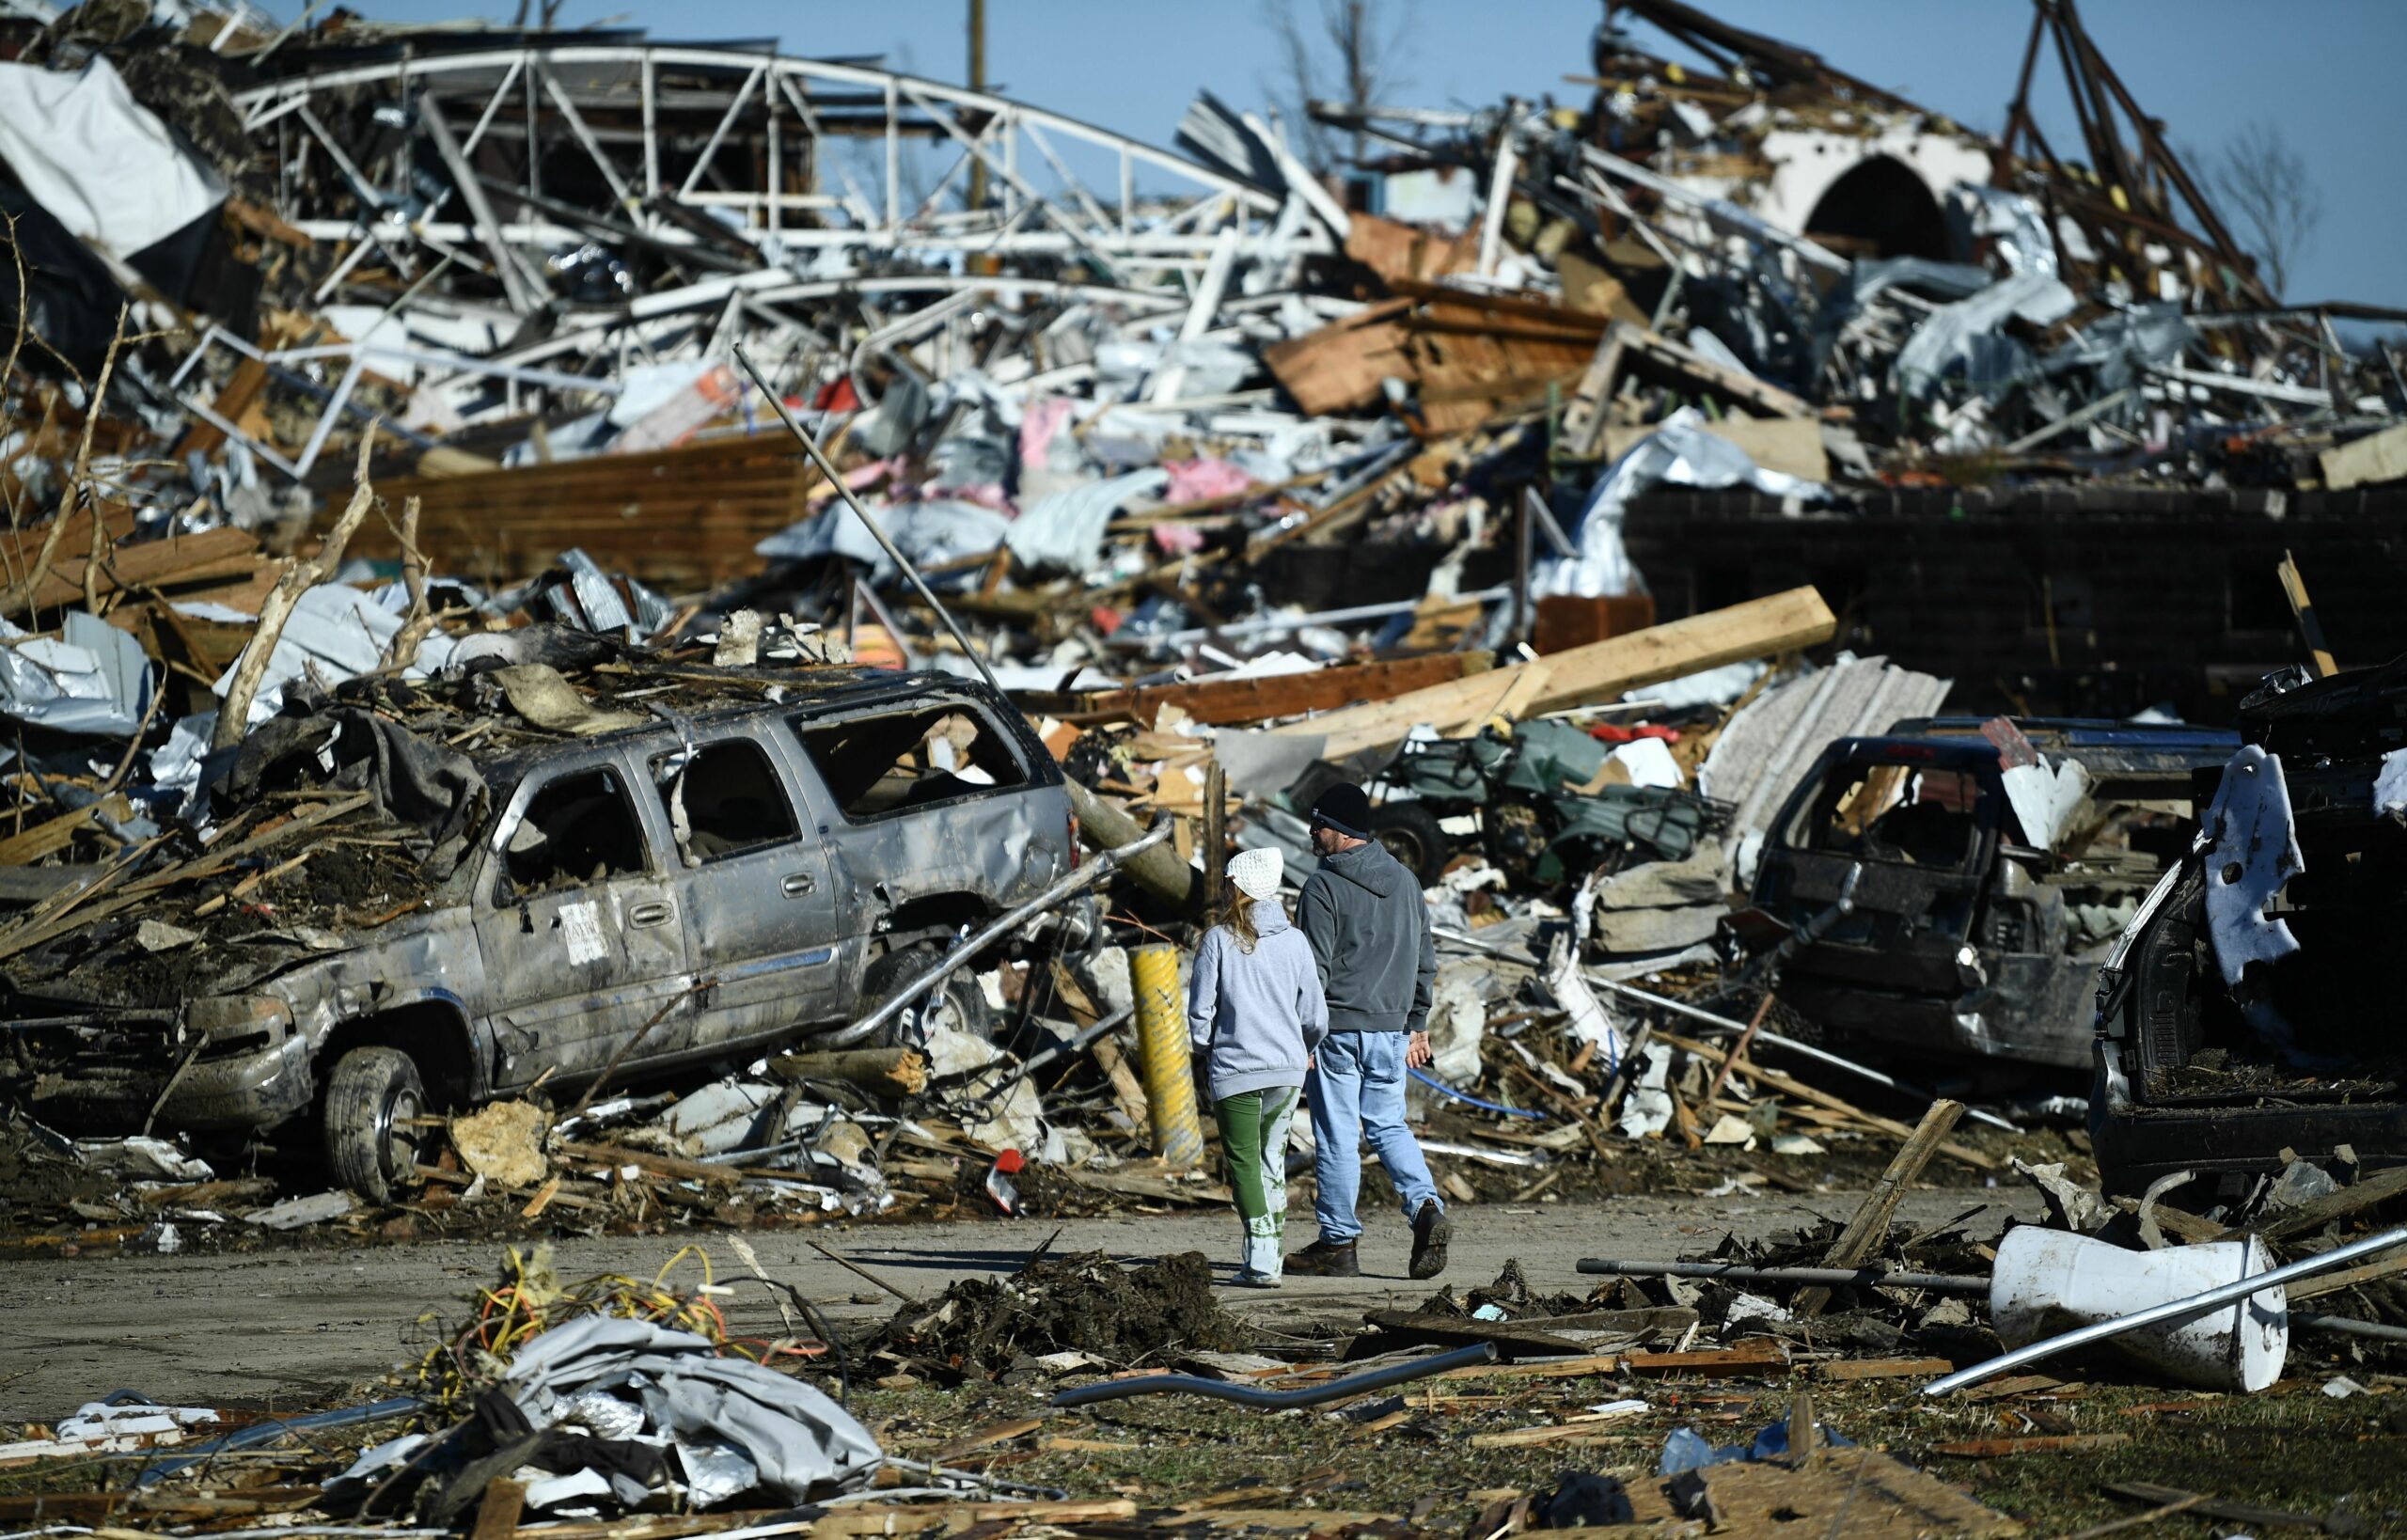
x=667, y=869
x=2243, y=1017
x=1955, y=883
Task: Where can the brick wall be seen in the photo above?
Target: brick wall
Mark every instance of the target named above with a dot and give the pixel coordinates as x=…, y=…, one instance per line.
x=2154, y=596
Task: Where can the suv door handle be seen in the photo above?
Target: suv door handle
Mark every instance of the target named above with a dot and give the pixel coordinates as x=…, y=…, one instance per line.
x=796, y=884
x=644, y=916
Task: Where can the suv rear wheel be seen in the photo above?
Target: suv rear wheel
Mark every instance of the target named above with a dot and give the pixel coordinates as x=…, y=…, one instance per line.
x=373, y=1140
x=958, y=1003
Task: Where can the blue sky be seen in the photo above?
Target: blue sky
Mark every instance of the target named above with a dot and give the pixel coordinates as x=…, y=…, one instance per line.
x=2325, y=71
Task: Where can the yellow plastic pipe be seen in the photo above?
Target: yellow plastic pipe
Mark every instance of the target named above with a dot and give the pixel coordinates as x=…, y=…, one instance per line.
x=1162, y=1046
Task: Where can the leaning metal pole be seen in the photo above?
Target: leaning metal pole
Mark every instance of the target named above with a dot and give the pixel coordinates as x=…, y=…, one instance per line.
x=1087, y=876
x=878, y=531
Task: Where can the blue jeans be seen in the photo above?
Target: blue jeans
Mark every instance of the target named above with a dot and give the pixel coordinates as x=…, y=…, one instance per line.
x=1355, y=1085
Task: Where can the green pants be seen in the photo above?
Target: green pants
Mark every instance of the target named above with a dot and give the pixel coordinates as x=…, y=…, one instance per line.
x=1254, y=1140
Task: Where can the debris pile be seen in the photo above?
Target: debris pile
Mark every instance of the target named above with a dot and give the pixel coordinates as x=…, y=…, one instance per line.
x=1064, y=1314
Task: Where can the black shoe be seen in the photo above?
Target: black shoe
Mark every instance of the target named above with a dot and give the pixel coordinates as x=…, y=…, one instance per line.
x=1431, y=1230
x=1326, y=1259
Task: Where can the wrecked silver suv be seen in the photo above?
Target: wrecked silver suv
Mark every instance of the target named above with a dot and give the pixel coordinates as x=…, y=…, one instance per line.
x=2244, y=1020
x=682, y=867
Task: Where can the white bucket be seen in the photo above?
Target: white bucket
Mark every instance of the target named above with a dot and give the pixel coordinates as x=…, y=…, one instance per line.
x=2049, y=1281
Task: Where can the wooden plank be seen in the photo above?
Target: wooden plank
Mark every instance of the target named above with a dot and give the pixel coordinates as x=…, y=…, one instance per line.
x=1579, y=1431
x=2376, y=457
x=55, y=834
x=1688, y=365
x=1791, y=445
x=1219, y=702
x=212, y=556
x=1868, y=1230
x=1844, y=1370
x=1581, y=676
x=671, y=1165
x=1752, y=1356
x=498, y=1515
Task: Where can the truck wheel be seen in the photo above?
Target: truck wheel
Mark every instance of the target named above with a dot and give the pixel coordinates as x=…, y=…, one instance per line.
x=1412, y=834
x=959, y=1003
x=371, y=1142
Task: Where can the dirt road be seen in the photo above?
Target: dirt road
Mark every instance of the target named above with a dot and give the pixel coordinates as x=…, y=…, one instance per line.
x=285, y=1328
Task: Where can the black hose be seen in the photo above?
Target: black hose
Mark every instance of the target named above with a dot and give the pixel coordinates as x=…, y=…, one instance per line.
x=1251, y=1395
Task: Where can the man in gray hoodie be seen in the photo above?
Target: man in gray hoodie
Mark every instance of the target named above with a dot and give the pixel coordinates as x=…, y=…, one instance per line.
x=1363, y=913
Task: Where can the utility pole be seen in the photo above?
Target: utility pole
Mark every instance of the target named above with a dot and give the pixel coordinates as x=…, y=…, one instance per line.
x=977, y=83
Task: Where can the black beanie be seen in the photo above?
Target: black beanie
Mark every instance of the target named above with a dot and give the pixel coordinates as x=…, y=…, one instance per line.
x=1346, y=809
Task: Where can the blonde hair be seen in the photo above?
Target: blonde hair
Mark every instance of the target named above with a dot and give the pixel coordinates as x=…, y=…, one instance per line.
x=1239, y=921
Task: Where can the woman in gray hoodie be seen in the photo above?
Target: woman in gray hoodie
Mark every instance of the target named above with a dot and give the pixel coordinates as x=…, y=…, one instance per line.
x=1255, y=1012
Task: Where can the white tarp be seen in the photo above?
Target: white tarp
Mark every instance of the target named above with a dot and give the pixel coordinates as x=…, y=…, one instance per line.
x=99, y=162
x=1681, y=452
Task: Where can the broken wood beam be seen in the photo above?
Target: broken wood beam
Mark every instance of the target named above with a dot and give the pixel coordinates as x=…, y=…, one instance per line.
x=1868, y=1230
x=1466, y=1332
x=1220, y=702
x=1582, y=676
x=1103, y=824
x=1818, y=1097
x=882, y=1072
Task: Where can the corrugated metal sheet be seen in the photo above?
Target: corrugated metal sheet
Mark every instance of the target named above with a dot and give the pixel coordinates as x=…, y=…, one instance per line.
x=1768, y=748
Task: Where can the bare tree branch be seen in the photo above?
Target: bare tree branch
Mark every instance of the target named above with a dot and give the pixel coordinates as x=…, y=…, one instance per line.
x=1354, y=54
x=2264, y=183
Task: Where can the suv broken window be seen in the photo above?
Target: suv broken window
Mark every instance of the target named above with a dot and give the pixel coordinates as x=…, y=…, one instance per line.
x=579, y=828
x=879, y=765
x=722, y=799
x=1897, y=813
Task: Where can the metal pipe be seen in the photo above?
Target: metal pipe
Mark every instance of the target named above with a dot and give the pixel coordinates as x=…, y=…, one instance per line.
x=1827, y=1277
x=2171, y=1310
x=1085, y=877
x=877, y=531
x=1933, y=1283
x=1254, y=1395
x=1071, y=1049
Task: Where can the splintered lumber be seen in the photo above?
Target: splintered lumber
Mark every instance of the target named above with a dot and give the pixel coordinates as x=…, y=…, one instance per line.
x=670, y=1166
x=1220, y=702
x=1775, y=1080
x=885, y=1071
x=234, y=716
x=1104, y=826
x=1860, y=1241
x=1583, y=676
x=2315, y=1212
x=55, y=834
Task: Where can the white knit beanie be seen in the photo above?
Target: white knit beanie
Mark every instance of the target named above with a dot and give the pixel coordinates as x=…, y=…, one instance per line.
x=1256, y=873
